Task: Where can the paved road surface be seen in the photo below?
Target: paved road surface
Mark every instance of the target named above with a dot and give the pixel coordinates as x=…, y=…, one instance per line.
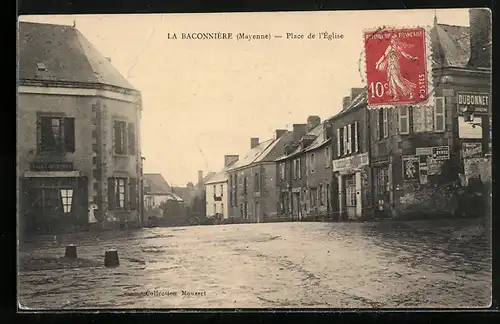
x=410, y=264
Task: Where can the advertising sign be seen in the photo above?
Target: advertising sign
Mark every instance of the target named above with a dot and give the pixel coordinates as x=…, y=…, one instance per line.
x=441, y=153
x=411, y=167
x=433, y=166
x=476, y=102
x=471, y=149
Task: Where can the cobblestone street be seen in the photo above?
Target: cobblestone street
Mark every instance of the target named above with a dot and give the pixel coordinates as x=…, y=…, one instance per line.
x=400, y=264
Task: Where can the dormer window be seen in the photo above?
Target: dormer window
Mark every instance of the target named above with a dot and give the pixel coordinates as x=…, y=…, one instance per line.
x=41, y=67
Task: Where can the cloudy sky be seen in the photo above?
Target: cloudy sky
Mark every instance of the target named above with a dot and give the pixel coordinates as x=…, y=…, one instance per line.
x=206, y=98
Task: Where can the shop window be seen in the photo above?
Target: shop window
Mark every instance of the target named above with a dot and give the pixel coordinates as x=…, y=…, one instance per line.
x=67, y=199
x=56, y=134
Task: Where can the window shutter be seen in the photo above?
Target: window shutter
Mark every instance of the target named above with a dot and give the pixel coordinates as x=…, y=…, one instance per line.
x=439, y=115
x=338, y=142
x=356, y=137
x=353, y=137
x=385, y=127
x=404, y=115
x=377, y=124
x=111, y=194
x=133, y=194
x=131, y=139
x=410, y=119
x=69, y=134
x=117, y=139
x=46, y=140
x=348, y=138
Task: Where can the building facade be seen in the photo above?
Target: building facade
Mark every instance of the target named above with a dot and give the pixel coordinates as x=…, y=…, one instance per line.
x=157, y=191
x=217, y=190
x=420, y=154
x=78, y=143
x=252, y=180
x=350, y=166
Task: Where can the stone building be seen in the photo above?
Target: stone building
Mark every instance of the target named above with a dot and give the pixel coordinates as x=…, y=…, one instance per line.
x=78, y=139
x=418, y=152
x=252, y=180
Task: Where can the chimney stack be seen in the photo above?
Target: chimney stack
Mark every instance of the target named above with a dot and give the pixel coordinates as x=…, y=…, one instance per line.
x=298, y=131
x=280, y=132
x=313, y=121
x=346, y=101
x=480, y=37
x=254, y=141
x=230, y=159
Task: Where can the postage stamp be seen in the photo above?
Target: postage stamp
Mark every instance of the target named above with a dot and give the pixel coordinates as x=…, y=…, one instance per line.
x=398, y=67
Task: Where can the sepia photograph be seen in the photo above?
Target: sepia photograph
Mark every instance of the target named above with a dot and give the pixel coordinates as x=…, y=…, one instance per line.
x=255, y=160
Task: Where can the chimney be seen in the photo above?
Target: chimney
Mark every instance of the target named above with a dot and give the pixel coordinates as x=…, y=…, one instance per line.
x=346, y=101
x=200, y=176
x=280, y=132
x=109, y=59
x=313, y=121
x=480, y=37
x=298, y=131
x=356, y=92
x=230, y=159
x=254, y=141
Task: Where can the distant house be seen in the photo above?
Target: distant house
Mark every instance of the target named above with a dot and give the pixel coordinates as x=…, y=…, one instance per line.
x=216, y=189
x=157, y=191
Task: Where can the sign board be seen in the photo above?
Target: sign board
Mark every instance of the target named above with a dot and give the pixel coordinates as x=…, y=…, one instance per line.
x=433, y=166
x=52, y=166
x=476, y=102
x=423, y=151
x=441, y=153
x=471, y=149
x=350, y=163
x=422, y=167
x=411, y=167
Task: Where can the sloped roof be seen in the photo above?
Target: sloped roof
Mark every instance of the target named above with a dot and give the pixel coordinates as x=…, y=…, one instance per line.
x=67, y=55
x=154, y=183
x=450, y=45
x=218, y=177
x=252, y=155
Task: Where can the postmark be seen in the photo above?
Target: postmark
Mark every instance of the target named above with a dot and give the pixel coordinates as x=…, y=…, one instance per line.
x=398, y=67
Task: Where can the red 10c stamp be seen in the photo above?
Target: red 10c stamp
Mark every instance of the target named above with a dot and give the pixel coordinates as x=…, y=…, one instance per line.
x=396, y=67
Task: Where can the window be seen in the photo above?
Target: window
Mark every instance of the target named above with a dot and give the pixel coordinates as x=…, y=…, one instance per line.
x=215, y=191
x=347, y=136
x=313, y=162
x=299, y=168
x=116, y=193
x=119, y=137
x=344, y=137
x=67, y=199
x=222, y=190
x=94, y=160
x=133, y=197
x=356, y=137
x=57, y=134
x=313, y=197
x=296, y=169
x=222, y=209
x=282, y=170
x=321, y=194
x=439, y=115
x=327, y=195
x=328, y=156
x=385, y=121
x=245, y=186
x=404, y=120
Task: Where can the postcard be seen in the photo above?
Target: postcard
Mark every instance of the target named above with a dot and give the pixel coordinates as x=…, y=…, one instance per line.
x=326, y=159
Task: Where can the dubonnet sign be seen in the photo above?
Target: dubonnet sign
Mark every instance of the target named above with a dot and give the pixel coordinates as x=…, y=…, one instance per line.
x=476, y=102
x=350, y=163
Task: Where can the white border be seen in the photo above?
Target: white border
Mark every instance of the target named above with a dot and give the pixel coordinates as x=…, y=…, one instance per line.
x=429, y=61
x=62, y=91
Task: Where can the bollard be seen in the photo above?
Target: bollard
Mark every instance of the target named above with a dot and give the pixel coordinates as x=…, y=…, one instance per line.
x=70, y=252
x=111, y=258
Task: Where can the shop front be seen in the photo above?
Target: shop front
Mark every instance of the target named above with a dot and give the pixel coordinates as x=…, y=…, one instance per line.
x=54, y=201
x=351, y=175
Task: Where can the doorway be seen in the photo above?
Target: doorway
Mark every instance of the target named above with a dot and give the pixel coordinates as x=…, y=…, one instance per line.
x=350, y=196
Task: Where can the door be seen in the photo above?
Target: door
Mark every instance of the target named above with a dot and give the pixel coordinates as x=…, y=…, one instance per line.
x=350, y=196
x=51, y=209
x=257, y=211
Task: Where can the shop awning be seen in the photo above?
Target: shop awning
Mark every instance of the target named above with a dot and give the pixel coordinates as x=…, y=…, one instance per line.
x=52, y=174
